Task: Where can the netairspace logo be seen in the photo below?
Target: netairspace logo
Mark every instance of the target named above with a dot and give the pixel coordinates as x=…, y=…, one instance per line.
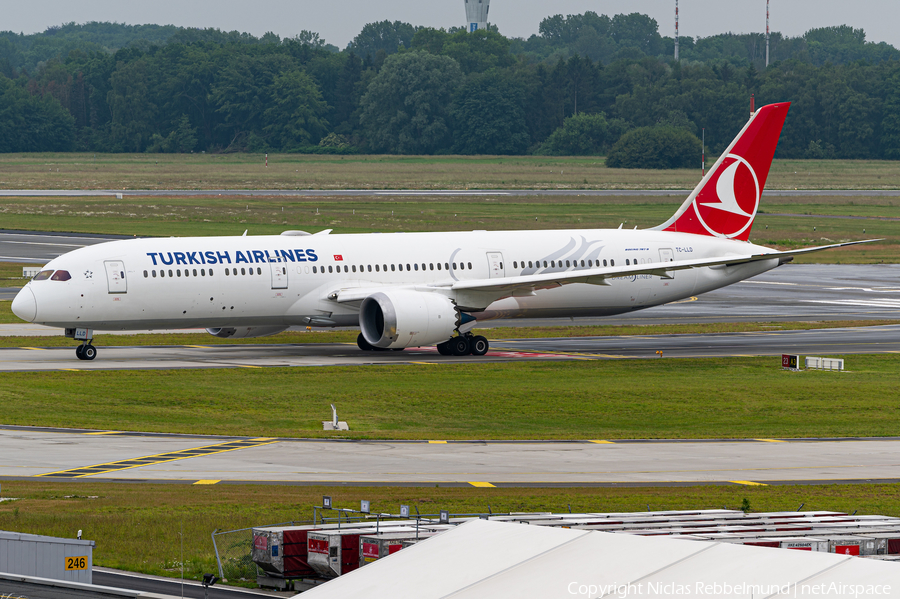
x=724, y=589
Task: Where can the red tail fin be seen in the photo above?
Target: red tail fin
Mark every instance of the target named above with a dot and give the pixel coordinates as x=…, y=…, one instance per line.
x=726, y=201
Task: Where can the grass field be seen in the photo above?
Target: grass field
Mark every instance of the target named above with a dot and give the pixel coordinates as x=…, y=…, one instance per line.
x=293, y=171
x=784, y=222
x=152, y=516
x=615, y=399
x=11, y=276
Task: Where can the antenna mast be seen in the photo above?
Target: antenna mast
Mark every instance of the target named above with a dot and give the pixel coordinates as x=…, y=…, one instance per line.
x=676, y=30
x=767, y=34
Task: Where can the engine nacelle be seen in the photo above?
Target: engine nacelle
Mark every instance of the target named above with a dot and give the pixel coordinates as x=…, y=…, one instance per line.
x=401, y=318
x=246, y=332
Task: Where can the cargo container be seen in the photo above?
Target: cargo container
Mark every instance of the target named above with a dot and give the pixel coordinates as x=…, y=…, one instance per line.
x=851, y=545
x=336, y=552
x=282, y=551
x=886, y=542
x=804, y=543
x=374, y=547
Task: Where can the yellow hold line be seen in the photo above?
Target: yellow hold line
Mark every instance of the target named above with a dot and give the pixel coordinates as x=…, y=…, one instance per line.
x=601, y=441
x=748, y=483
x=482, y=485
x=207, y=482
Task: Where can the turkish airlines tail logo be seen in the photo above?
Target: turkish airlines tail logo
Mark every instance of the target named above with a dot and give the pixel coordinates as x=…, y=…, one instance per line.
x=726, y=201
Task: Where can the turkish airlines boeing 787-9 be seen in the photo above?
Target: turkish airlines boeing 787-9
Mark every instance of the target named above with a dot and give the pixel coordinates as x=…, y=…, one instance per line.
x=413, y=289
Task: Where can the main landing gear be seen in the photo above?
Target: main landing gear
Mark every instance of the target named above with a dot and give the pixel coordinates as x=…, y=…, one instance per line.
x=464, y=345
x=86, y=351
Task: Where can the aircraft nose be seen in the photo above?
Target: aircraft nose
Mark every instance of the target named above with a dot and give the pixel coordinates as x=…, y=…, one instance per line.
x=24, y=305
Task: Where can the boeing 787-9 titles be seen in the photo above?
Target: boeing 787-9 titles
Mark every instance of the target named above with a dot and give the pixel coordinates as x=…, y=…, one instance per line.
x=414, y=289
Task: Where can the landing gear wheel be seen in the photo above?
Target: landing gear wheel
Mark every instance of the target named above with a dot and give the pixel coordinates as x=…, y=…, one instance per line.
x=459, y=346
x=362, y=344
x=479, y=345
x=79, y=352
x=89, y=352
x=444, y=349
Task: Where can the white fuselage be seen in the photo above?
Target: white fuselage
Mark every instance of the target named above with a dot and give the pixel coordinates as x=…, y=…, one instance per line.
x=182, y=282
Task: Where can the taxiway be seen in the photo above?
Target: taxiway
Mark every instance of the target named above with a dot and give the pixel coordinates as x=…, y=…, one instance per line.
x=133, y=457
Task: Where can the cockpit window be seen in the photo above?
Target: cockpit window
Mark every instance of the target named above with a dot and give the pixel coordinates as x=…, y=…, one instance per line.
x=43, y=275
x=61, y=275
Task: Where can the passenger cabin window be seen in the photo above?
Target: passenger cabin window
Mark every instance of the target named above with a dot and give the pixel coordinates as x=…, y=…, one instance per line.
x=43, y=275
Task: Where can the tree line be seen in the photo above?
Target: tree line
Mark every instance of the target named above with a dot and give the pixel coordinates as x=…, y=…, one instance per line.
x=576, y=88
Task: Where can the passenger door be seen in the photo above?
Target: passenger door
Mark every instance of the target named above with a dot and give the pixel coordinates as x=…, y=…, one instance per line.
x=115, y=276
x=495, y=265
x=279, y=275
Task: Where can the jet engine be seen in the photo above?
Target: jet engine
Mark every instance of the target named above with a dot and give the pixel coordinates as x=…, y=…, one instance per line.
x=246, y=332
x=401, y=318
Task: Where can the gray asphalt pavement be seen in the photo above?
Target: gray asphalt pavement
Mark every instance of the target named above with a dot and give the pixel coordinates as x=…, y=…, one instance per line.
x=72, y=454
x=40, y=248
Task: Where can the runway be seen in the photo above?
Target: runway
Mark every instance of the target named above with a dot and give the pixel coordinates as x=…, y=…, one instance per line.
x=129, y=457
x=72, y=193
x=40, y=247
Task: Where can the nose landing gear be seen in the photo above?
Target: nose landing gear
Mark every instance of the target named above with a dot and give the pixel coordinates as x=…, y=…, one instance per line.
x=86, y=351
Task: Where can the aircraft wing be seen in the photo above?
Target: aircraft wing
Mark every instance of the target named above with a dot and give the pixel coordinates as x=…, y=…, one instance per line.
x=525, y=285
x=600, y=276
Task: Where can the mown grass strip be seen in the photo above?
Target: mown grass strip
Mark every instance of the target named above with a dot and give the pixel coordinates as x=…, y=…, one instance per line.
x=299, y=171
x=686, y=398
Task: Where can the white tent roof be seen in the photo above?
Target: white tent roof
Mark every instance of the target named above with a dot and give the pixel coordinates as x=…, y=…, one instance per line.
x=492, y=559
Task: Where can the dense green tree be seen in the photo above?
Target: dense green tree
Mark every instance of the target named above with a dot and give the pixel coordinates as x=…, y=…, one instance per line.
x=655, y=148
x=183, y=139
x=130, y=88
x=132, y=113
x=489, y=117
x=583, y=135
x=405, y=109
x=32, y=123
x=297, y=115
x=383, y=36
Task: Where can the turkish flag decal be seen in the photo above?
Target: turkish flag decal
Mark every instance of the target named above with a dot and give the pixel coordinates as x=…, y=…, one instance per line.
x=338, y=258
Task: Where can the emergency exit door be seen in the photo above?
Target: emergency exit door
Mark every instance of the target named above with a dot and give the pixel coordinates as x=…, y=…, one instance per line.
x=115, y=276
